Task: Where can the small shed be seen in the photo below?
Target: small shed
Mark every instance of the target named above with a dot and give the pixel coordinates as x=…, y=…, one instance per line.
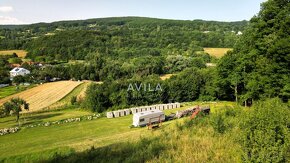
x=127, y=111
x=110, y=115
x=144, y=118
x=116, y=113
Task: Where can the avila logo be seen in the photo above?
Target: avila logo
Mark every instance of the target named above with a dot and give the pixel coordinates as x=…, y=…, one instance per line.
x=144, y=87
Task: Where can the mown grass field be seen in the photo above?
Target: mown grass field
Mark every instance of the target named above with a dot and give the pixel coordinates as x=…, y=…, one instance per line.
x=20, y=53
x=166, y=76
x=41, y=143
x=10, y=90
x=217, y=52
x=78, y=92
x=44, y=95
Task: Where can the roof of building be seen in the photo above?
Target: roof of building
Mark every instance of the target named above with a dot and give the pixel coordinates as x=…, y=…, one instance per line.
x=18, y=69
x=148, y=113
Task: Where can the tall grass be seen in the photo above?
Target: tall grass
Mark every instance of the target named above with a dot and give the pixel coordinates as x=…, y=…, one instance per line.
x=186, y=141
x=258, y=134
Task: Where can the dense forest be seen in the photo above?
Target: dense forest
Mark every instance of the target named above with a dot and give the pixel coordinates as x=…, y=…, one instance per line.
x=119, y=37
x=115, y=48
x=257, y=68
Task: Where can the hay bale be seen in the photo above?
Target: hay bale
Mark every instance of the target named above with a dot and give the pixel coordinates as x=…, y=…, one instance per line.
x=122, y=113
x=170, y=106
x=143, y=109
x=148, y=108
x=134, y=110
x=116, y=113
x=139, y=110
x=127, y=111
x=110, y=115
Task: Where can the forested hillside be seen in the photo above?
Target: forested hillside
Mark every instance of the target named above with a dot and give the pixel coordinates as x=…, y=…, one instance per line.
x=119, y=37
x=258, y=68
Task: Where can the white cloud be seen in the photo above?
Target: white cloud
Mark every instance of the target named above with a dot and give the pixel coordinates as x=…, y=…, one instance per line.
x=6, y=8
x=6, y=20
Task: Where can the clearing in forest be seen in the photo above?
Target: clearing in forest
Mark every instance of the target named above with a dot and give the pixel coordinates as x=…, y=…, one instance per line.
x=217, y=52
x=20, y=53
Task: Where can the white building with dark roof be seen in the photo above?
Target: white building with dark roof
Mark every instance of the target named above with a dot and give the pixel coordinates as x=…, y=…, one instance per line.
x=19, y=71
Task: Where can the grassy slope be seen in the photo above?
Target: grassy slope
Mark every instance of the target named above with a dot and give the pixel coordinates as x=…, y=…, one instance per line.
x=40, y=142
x=10, y=90
x=65, y=101
x=217, y=52
x=20, y=53
x=27, y=119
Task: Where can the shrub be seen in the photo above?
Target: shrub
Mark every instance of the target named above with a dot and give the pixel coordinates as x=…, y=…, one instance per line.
x=73, y=100
x=265, y=133
x=218, y=123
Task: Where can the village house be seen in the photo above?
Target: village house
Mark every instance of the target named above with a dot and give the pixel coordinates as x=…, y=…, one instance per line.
x=19, y=71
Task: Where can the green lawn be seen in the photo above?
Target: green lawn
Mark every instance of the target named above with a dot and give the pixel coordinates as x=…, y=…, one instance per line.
x=32, y=144
x=10, y=90
x=42, y=117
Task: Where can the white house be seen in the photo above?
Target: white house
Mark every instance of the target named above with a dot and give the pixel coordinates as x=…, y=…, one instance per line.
x=239, y=33
x=18, y=71
x=144, y=118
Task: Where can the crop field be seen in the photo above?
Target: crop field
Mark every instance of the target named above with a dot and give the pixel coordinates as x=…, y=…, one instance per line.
x=217, y=52
x=166, y=76
x=20, y=53
x=44, y=95
x=41, y=143
x=78, y=92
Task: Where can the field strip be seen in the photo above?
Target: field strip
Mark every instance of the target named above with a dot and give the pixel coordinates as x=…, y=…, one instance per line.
x=20, y=53
x=44, y=95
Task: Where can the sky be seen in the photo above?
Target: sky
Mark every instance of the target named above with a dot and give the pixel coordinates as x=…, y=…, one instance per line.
x=35, y=11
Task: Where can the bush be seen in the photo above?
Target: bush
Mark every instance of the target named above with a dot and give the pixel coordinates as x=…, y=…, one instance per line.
x=218, y=123
x=73, y=100
x=265, y=132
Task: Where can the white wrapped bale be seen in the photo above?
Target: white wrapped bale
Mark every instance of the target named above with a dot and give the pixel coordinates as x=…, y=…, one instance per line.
x=127, y=111
x=143, y=109
x=160, y=107
x=153, y=107
x=134, y=110
x=139, y=110
x=174, y=106
x=170, y=106
x=148, y=108
x=165, y=107
x=110, y=115
x=116, y=113
x=122, y=113
x=157, y=107
x=178, y=105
